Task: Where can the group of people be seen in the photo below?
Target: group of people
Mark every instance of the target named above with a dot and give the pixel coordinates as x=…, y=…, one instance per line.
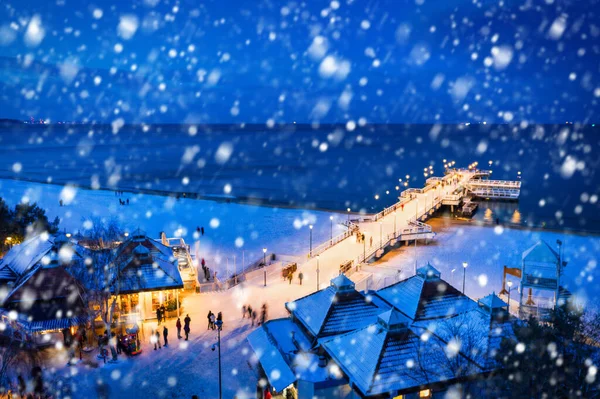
x=212, y=320
x=290, y=277
x=205, y=270
x=155, y=337
x=124, y=202
x=251, y=314
x=200, y=230
x=360, y=237
x=161, y=314
x=186, y=327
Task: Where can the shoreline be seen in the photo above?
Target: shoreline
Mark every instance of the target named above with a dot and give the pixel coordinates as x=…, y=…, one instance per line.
x=307, y=206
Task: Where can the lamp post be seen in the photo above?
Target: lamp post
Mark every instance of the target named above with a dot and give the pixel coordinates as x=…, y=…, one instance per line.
x=331, y=230
x=452, y=275
x=365, y=249
x=265, y=264
x=465, y=264
x=416, y=213
x=509, y=283
x=348, y=219
x=219, y=324
x=317, y=272
x=310, y=252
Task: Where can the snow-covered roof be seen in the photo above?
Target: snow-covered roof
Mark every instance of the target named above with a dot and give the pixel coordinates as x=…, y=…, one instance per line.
x=492, y=301
x=426, y=296
x=145, y=264
x=282, y=350
x=336, y=309
x=428, y=272
x=541, y=252
x=271, y=360
x=23, y=257
x=380, y=360
x=153, y=275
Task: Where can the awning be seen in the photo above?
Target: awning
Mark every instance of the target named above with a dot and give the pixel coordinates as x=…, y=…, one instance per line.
x=278, y=372
x=54, y=324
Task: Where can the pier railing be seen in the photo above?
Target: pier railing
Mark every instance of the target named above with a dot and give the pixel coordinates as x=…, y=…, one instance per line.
x=352, y=227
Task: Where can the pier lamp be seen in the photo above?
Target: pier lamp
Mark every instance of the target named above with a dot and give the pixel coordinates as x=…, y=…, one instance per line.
x=331, y=230
x=348, y=219
x=265, y=263
x=509, y=283
x=310, y=252
x=317, y=272
x=465, y=264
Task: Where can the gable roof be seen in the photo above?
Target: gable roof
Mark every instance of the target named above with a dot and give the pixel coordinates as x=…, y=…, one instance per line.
x=42, y=248
x=421, y=297
x=144, y=264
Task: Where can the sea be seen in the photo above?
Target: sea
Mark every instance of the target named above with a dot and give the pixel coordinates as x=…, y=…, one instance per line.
x=328, y=167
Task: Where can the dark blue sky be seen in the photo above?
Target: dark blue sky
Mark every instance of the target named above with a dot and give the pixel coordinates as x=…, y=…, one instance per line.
x=254, y=61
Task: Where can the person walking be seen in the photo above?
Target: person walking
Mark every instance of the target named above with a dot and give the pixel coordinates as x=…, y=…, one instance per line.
x=163, y=313
x=158, y=315
x=186, y=326
x=202, y=230
x=155, y=337
x=166, y=335
x=263, y=314
x=127, y=201
x=300, y=277
x=178, y=325
x=208, y=318
x=253, y=313
x=249, y=312
x=244, y=309
x=220, y=318
x=290, y=276
x=212, y=321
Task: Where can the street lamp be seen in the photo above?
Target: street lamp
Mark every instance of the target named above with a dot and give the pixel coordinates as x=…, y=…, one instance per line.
x=331, y=232
x=310, y=253
x=265, y=264
x=465, y=264
x=317, y=272
x=509, y=283
x=219, y=324
x=348, y=219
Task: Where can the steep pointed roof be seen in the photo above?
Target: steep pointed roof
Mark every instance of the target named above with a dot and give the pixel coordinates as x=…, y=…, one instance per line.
x=383, y=358
x=426, y=296
x=336, y=309
x=541, y=252
x=428, y=272
x=492, y=301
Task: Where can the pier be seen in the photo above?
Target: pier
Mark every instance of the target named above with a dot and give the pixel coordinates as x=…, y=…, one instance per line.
x=405, y=221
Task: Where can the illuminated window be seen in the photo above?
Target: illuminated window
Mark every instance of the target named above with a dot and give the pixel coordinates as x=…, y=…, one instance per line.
x=425, y=393
x=399, y=397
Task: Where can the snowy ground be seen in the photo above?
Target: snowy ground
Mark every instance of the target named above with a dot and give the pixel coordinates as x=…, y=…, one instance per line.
x=230, y=229
x=487, y=249
x=190, y=368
